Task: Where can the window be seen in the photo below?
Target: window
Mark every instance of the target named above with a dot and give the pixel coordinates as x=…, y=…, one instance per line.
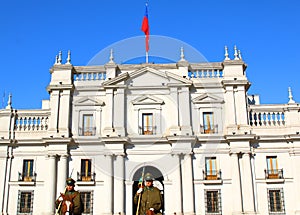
x=147, y=123
x=86, y=166
x=88, y=125
x=213, y=202
x=25, y=202
x=208, y=123
x=211, y=172
x=27, y=172
x=87, y=200
x=276, y=201
x=272, y=171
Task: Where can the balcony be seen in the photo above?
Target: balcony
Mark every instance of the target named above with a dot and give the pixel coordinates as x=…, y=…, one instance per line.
x=86, y=179
x=213, y=129
x=147, y=130
x=82, y=176
x=87, y=131
x=274, y=173
x=27, y=178
x=212, y=175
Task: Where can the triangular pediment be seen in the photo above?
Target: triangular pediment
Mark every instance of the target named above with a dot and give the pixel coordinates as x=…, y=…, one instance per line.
x=147, y=100
x=86, y=101
x=148, y=76
x=207, y=98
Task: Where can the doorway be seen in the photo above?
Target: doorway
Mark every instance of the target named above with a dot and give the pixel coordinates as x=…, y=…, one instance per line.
x=158, y=182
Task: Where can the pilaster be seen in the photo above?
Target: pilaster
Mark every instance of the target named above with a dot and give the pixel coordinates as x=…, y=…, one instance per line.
x=62, y=170
x=175, y=129
x=50, y=185
x=108, y=184
x=187, y=181
x=129, y=201
x=236, y=199
x=109, y=113
x=184, y=111
x=119, y=111
x=247, y=184
x=119, y=191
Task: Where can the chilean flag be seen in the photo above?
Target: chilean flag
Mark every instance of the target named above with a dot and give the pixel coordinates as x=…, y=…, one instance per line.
x=146, y=28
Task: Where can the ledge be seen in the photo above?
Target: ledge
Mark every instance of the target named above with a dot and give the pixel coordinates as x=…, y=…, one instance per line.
x=209, y=182
x=85, y=183
x=23, y=183
x=275, y=181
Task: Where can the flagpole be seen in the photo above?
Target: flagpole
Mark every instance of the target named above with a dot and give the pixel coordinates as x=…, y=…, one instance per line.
x=147, y=56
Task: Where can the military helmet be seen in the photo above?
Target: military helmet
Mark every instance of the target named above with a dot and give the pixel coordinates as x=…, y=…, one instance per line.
x=70, y=181
x=148, y=177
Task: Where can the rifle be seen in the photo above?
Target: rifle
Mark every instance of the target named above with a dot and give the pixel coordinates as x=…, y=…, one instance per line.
x=60, y=204
x=141, y=184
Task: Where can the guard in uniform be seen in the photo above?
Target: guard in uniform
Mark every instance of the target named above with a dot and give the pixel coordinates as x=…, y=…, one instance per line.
x=77, y=202
x=150, y=200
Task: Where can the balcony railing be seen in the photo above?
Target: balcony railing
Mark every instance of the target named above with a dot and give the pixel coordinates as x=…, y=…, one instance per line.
x=87, y=131
x=82, y=176
x=212, y=175
x=90, y=73
x=274, y=173
x=266, y=116
x=147, y=130
x=32, y=120
x=206, y=73
x=27, y=178
x=213, y=129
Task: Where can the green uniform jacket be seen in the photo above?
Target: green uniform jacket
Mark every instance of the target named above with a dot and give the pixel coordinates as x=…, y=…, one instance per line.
x=151, y=198
x=78, y=206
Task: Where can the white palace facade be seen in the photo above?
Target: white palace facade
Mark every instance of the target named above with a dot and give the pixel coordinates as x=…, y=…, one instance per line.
x=212, y=148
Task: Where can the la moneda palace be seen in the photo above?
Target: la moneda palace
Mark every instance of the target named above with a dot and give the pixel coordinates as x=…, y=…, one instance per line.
x=212, y=148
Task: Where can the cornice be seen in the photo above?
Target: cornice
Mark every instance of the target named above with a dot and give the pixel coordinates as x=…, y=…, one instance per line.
x=60, y=87
x=62, y=67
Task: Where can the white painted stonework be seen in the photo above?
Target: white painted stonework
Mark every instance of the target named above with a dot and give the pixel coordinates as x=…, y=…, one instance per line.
x=242, y=135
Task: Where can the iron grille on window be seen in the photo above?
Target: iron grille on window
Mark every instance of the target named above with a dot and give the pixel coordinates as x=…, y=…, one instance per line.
x=87, y=200
x=276, y=201
x=213, y=202
x=25, y=202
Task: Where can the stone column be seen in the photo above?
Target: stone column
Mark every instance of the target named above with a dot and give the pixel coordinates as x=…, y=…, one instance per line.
x=119, y=107
x=188, y=188
x=129, y=199
x=174, y=96
x=64, y=113
x=108, y=184
x=62, y=173
x=247, y=185
x=230, y=112
x=54, y=106
x=241, y=106
x=184, y=111
x=173, y=188
x=50, y=187
x=119, y=185
x=109, y=113
x=236, y=185
x=296, y=185
x=7, y=177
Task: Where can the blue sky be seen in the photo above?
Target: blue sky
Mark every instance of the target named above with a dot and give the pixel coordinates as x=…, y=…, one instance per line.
x=34, y=31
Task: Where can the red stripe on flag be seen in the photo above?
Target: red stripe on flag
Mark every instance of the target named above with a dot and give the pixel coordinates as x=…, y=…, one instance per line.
x=146, y=28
